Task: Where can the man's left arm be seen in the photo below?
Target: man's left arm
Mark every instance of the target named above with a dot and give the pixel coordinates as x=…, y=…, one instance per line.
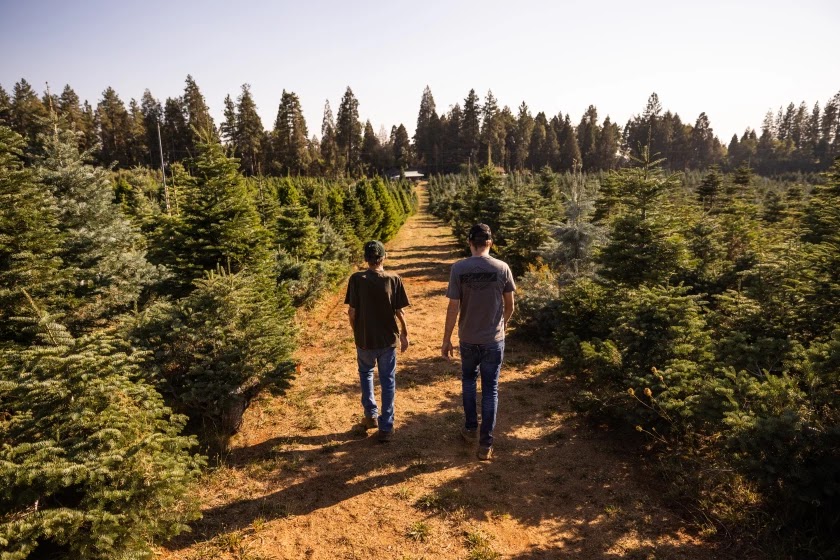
x=404, y=342
x=508, y=298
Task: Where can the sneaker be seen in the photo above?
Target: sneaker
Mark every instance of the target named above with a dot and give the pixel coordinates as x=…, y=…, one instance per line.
x=469, y=436
x=370, y=422
x=485, y=453
x=385, y=437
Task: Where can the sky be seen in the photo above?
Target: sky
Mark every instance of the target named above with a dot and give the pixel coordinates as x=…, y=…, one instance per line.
x=733, y=60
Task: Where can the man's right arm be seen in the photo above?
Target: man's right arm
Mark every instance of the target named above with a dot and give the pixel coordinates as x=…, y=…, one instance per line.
x=452, y=309
x=351, y=314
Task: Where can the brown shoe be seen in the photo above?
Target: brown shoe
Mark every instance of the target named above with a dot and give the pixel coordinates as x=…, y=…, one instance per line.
x=370, y=423
x=385, y=437
x=485, y=453
x=469, y=436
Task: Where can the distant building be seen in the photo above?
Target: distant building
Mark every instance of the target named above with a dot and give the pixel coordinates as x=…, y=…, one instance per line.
x=410, y=175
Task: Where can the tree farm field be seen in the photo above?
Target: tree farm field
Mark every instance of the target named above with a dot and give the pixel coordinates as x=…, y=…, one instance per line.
x=304, y=480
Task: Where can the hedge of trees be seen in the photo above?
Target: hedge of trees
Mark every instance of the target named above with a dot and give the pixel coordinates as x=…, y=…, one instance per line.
x=138, y=322
x=700, y=310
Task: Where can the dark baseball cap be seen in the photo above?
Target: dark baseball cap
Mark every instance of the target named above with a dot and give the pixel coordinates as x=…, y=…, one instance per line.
x=374, y=250
x=480, y=233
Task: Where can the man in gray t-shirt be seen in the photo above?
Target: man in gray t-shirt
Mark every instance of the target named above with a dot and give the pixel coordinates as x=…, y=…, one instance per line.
x=480, y=296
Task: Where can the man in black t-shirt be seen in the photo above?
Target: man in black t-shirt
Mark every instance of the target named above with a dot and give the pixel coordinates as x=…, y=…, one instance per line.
x=376, y=300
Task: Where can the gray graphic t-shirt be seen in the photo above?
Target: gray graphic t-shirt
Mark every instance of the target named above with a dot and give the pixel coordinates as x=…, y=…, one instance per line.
x=479, y=282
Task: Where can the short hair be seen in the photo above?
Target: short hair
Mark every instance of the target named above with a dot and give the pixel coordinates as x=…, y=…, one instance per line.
x=480, y=234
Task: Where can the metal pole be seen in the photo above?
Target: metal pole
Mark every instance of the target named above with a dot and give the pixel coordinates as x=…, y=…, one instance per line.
x=163, y=172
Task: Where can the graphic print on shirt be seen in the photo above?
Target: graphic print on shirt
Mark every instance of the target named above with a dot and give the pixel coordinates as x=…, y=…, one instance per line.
x=478, y=279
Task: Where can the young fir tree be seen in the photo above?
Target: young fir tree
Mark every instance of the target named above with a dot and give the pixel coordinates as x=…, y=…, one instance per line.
x=218, y=348
x=104, y=254
x=29, y=238
x=371, y=215
x=219, y=224
x=294, y=230
x=92, y=464
x=641, y=247
x=392, y=215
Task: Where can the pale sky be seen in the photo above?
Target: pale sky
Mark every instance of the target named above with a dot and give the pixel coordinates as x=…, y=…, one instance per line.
x=732, y=59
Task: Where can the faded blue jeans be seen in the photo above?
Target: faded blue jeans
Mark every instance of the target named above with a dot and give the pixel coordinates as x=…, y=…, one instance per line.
x=484, y=360
x=386, y=360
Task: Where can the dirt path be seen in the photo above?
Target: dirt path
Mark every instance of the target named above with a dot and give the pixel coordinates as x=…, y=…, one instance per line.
x=305, y=481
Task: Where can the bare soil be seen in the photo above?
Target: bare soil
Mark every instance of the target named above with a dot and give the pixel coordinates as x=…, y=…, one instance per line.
x=304, y=480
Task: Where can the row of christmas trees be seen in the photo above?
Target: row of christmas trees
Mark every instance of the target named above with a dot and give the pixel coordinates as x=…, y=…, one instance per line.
x=138, y=321
x=702, y=310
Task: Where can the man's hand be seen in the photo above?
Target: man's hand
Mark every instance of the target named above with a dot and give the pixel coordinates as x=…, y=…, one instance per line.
x=446, y=349
x=404, y=342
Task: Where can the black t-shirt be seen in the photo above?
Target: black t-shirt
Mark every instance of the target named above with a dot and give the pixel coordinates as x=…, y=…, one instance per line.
x=376, y=296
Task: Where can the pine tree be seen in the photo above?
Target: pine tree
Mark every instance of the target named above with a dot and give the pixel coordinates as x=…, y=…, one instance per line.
x=29, y=117
x=5, y=108
x=69, y=110
x=492, y=130
x=175, y=132
x=102, y=251
x=92, y=466
x=152, y=114
x=524, y=131
x=470, y=131
x=608, y=145
x=424, y=133
x=250, y=138
x=587, y=135
x=710, y=188
x=329, y=147
x=348, y=131
x=114, y=130
x=29, y=239
x=401, y=147
x=291, y=149
x=197, y=116
x=370, y=149
x=569, y=154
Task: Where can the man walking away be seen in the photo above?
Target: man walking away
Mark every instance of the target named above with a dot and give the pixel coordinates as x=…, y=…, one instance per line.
x=376, y=299
x=480, y=296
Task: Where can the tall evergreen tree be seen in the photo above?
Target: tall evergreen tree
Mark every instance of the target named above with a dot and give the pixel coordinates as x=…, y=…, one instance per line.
x=29, y=117
x=492, y=130
x=329, y=146
x=196, y=114
x=5, y=108
x=401, y=148
x=250, y=138
x=152, y=114
x=568, y=143
x=424, y=134
x=175, y=132
x=470, y=130
x=588, y=136
x=524, y=130
x=348, y=131
x=115, y=130
x=291, y=148
x=370, y=148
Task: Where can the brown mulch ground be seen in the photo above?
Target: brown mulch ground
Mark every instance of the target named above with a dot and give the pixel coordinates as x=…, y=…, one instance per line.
x=304, y=480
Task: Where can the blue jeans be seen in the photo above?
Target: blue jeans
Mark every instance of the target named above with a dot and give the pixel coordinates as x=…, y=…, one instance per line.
x=386, y=360
x=484, y=359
